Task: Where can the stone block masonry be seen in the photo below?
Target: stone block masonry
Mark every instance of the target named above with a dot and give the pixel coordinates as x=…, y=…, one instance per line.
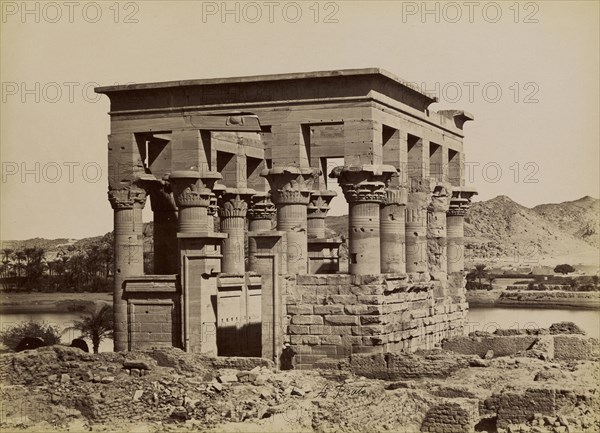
x=335, y=316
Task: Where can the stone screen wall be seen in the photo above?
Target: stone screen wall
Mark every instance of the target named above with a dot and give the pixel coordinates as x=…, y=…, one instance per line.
x=334, y=316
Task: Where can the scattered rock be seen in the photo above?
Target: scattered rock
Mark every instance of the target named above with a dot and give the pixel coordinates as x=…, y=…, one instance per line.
x=137, y=394
x=298, y=391
x=137, y=364
x=136, y=372
x=228, y=378
x=476, y=362
x=52, y=378
x=399, y=385
x=489, y=354
x=64, y=378
x=179, y=414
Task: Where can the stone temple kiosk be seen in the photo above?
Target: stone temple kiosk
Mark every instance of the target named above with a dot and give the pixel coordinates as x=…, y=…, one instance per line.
x=238, y=173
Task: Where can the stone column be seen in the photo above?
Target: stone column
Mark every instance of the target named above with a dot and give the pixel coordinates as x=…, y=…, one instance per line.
x=213, y=207
x=261, y=212
x=419, y=196
x=455, y=220
x=436, y=235
x=290, y=191
x=165, y=228
x=364, y=189
x=128, y=252
x=232, y=212
x=393, y=235
x=192, y=191
x=317, y=211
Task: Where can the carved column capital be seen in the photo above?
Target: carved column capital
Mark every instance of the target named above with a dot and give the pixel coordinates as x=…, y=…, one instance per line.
x=261, y=207
x=234, y=202
x=192, y=188
x=460, y=201
x=290, y=185
x=440, y=199
x=319, y=203
x=364, y=183
x=395, y=195
x=129, y=197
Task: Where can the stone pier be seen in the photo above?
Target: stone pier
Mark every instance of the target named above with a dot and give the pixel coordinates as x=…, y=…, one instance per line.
x=127, y=204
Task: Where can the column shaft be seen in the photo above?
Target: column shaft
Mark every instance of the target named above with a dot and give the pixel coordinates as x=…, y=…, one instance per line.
x=233, y=245
x=393, y=238
x=364, y=235
x=455, y=234
x=316, y=227
x=416, y=232
x=291, y=218
x=128, y=254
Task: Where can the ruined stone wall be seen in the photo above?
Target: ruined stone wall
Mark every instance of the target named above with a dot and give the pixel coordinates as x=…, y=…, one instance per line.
x=334, y=316
x=450, y=418
x=515, y=407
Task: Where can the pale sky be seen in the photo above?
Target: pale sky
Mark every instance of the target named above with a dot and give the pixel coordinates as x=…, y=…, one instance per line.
x=54, y=127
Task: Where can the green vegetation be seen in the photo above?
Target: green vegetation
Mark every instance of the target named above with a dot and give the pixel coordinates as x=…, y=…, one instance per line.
x=96, y=325
x=564, y=269
x=83, y=266
x=12, y=336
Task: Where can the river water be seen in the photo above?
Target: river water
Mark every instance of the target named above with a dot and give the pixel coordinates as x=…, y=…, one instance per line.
x=478, y=319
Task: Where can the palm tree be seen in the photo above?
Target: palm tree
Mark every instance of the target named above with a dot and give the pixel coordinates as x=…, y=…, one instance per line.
x=480, y=273
x=97, y=325
x=20, y=258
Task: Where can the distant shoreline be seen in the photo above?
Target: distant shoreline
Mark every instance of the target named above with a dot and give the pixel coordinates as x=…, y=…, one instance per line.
x=547, y=299
x=31, y=303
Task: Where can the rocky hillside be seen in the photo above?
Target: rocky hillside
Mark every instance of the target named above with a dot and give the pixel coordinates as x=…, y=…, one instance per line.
x=495, y=229
x=502, y=228
x=579, y=218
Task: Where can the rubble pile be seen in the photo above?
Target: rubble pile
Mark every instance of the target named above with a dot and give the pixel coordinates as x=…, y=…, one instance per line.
x=65, y=389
